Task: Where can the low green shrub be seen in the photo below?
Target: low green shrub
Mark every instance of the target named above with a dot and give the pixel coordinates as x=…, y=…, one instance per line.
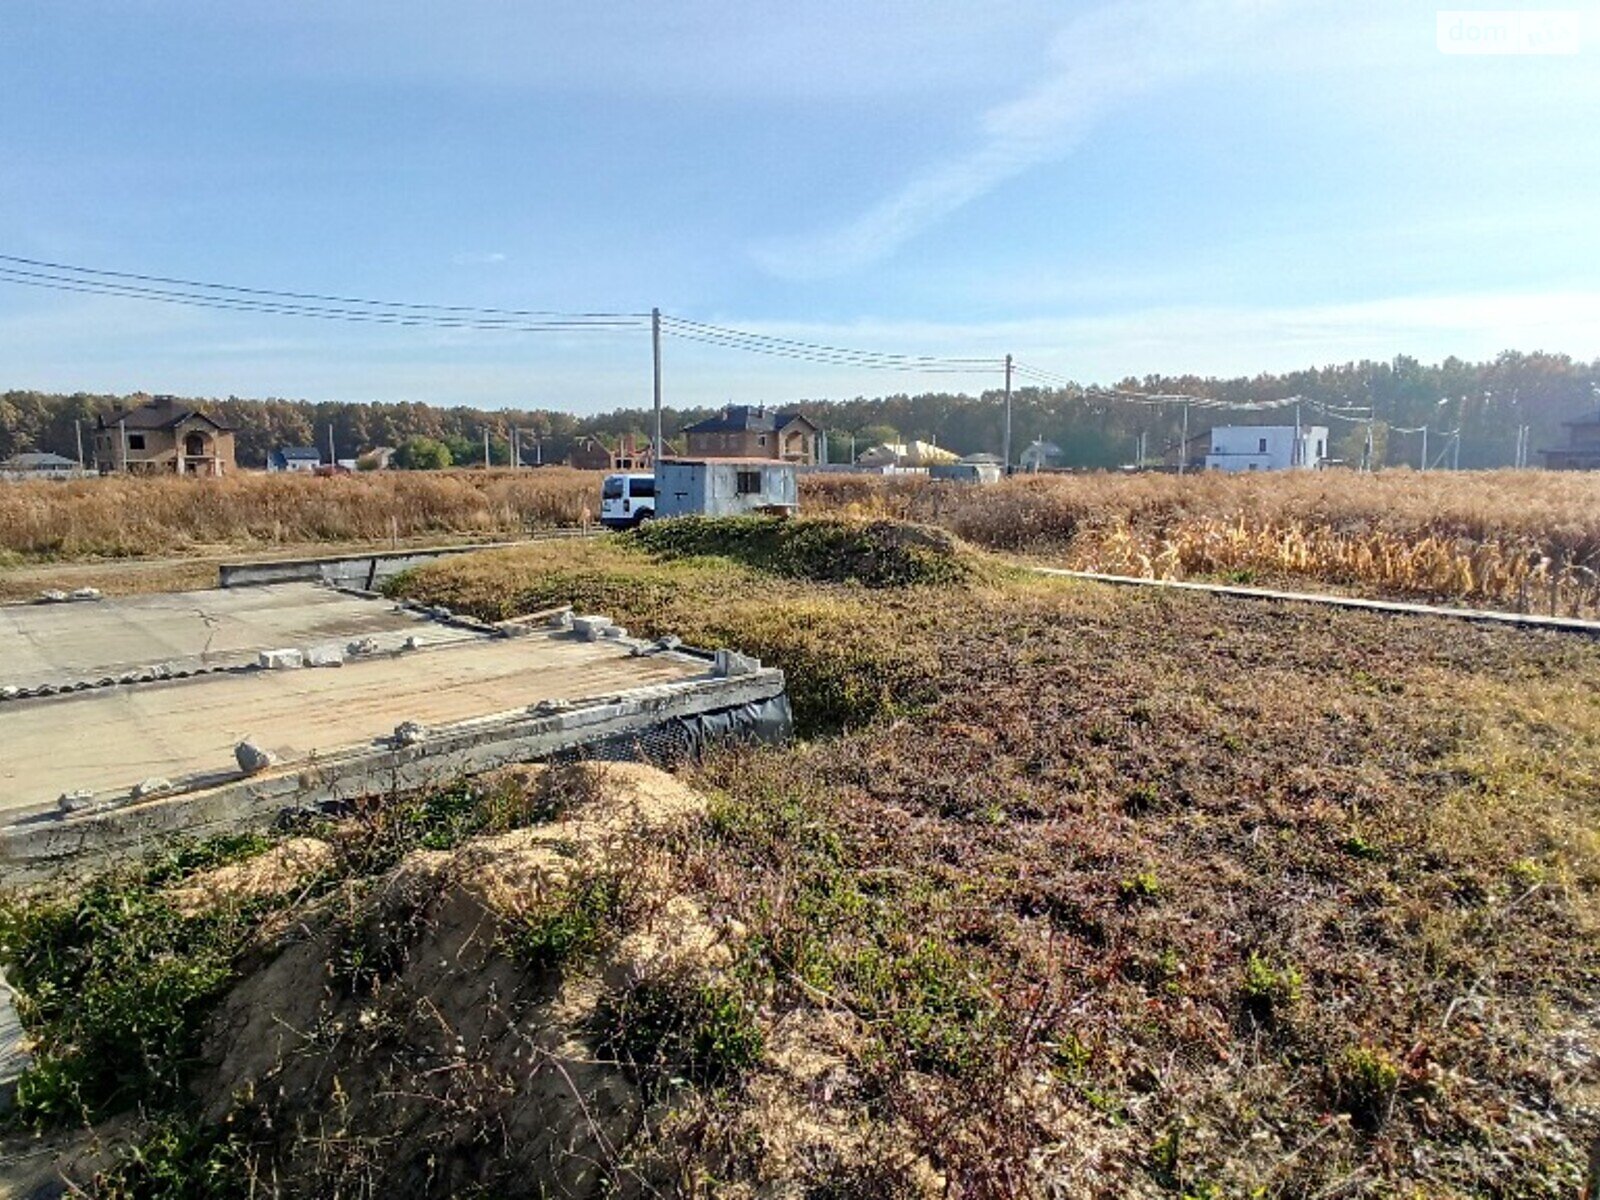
x=823, y=550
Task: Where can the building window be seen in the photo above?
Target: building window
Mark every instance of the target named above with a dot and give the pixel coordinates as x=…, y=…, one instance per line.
x=136, y=441
x=1320, y=450
x=748, y=483
x=1262, y=449
x=762, y=440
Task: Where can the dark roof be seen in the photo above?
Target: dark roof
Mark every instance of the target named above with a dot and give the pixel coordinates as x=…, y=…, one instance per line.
x=704, y=461
x=745, y=418
x=298, y=452
x=164, y=412
x=37, y=461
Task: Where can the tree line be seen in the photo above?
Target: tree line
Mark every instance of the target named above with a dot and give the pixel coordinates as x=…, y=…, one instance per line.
x=1488, y=401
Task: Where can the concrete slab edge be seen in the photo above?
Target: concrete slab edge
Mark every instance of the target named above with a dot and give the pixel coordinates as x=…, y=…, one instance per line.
x=43, y=849
x=366, y=570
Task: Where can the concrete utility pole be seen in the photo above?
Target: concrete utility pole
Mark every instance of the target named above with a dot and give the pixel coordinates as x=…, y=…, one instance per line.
x=655, y=350
x=516, y=456
x=1005, y=443
x=77, y=428
x=485, y=447
x=332, y=456
x=1424, y=466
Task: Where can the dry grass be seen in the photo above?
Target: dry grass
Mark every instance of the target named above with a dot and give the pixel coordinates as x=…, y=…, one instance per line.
x=1139, y=895
x=1100, y=894
x=1516, y=539
x=123, y=517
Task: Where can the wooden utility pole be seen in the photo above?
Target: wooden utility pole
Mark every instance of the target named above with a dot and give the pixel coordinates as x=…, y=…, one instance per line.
x=655, y=354
x=1005, y=443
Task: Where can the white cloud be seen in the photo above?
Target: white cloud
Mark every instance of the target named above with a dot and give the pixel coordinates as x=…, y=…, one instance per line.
x=1102, y=60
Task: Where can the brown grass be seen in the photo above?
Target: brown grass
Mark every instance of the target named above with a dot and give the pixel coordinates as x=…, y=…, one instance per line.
x=122, y=517
x=1516, y=539
x=1131, y=894
x=1103, y=894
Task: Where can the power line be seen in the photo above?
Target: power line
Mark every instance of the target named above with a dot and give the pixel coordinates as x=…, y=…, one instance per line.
x=760, y=343
x=265, y=292
x=844, y=360
x=236, y=304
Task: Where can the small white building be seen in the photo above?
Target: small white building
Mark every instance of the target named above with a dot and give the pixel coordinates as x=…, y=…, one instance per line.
x=1267, y=447
x=724, y=487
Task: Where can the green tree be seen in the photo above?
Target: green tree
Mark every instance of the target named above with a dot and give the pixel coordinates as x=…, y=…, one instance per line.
x=423, y=454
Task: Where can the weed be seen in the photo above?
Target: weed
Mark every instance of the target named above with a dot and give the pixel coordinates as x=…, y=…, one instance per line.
x=1365, y=1081
x=572, y=924
x=114, y=986
x=1141, y=885
x=179, y=1159
x=1357, y=846
x=1269, y=991
x=672, y=1031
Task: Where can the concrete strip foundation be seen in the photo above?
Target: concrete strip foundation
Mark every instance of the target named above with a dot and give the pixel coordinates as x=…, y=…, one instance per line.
x=363, y=571
x=1480, y=616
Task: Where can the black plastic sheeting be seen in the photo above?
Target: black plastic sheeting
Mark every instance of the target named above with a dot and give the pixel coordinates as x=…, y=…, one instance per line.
x=765, y=722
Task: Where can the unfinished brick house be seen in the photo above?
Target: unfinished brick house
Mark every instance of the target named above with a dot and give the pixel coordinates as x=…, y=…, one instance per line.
x=754, y=431
x=163, y=436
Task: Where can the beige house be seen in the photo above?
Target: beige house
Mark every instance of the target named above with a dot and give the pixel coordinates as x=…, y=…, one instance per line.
x=163, y=436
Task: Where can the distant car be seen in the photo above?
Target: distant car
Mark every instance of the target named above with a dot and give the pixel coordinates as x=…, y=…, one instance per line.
x=627, y=500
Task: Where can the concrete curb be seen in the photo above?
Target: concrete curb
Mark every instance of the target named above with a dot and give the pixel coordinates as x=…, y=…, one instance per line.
x=1485, y=616
x=364, y=572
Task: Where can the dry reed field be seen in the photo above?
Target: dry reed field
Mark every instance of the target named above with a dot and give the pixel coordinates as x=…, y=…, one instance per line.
x=118, y=517
x=1525, y=540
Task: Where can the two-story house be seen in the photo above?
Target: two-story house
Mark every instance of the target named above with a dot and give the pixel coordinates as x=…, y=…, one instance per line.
x=754, y=431
x=163, y=436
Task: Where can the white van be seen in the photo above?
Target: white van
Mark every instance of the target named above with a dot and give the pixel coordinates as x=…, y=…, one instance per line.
x=626, y=500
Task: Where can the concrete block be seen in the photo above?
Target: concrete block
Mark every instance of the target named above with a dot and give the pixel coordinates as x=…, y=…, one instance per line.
x=10, y=692
x=280, y=660
x=324, y=656
x=362, y=647
x=153, y=786
x=252, y=759
x=562, y=620
x=590, y=627
x=410, y=733
x=613, y=631
x=85, y=593
x=52, y=596
x=76, y=801
x=730, y=663
x=548, y=708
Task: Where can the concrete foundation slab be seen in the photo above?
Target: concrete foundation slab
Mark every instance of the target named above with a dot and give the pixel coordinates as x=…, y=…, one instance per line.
x=108, y=769
x=66, y=643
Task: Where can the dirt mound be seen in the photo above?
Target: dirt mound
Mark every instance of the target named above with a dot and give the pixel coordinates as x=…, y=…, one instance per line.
x=453, y=1024
x=276, y=872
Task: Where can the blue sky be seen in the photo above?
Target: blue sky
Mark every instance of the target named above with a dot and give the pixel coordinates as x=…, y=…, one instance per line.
x=1102, y=189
